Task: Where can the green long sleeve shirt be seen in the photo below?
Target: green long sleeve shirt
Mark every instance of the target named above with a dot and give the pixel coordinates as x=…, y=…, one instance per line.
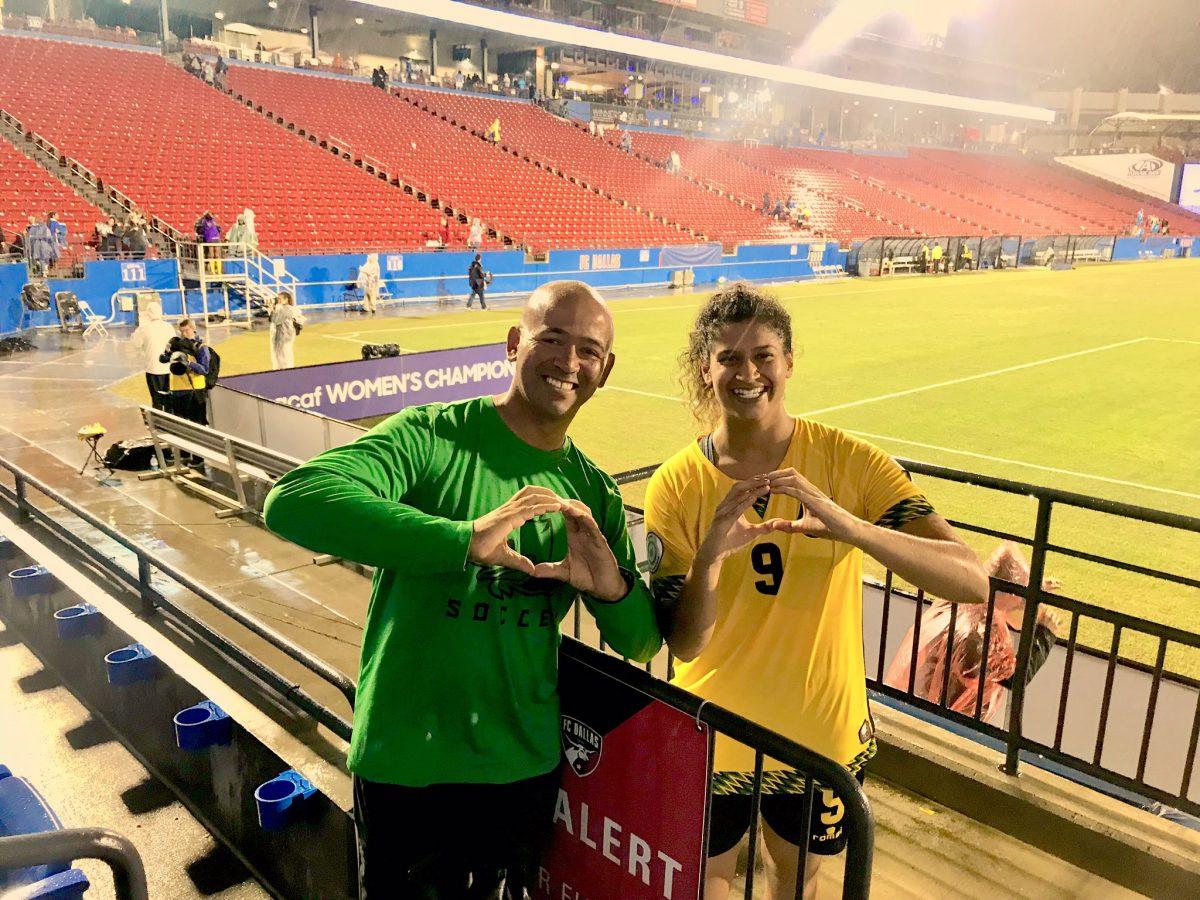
x=459, y=670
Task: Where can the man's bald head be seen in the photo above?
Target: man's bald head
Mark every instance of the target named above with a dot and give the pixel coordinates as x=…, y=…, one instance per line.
x=562, y=349
x=559, y=302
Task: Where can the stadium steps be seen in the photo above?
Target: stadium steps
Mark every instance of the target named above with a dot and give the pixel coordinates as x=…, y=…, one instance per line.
x=96, y=196
x=528, y=202
x=554, y=168
x=532, y=132
x=90, y=779
x=366, y=163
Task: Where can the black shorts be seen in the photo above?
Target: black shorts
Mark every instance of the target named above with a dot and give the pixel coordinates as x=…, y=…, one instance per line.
x=784, y=814
x=451, y=840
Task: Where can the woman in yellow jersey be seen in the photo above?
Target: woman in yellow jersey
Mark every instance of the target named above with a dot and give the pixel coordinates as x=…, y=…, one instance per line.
x=756, y=533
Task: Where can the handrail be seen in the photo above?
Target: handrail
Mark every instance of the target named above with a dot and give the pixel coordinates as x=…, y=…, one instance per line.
x=69, y=844
x=148, y=561
x=934, y=699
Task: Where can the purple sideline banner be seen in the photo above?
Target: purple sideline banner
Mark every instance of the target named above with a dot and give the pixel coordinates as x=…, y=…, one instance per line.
x=375, y=387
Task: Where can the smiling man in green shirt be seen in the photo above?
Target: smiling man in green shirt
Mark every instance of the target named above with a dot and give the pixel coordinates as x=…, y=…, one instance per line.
x=484, y=522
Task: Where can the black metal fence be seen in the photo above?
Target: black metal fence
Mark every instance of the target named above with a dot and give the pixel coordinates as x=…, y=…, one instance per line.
x=36, y=503
x=1152, y=709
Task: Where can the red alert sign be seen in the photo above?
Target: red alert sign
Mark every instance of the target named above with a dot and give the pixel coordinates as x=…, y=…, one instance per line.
x=630, y=814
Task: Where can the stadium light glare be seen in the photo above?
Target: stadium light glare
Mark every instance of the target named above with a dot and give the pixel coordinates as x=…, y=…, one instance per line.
x=551, y=32
x=358, y=20
x=219, y=16
x=272, y=4
x=304, y=30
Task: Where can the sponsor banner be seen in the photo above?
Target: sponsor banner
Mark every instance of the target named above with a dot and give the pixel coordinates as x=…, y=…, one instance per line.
x=1189, y=187
x=684, y=255
x=376, y=387
x=1141, y=172
x=752, y=11
x=629, y=819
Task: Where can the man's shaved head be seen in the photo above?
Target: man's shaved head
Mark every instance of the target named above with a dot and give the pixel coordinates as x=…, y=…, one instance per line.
x=562, y=349
x=573, y=300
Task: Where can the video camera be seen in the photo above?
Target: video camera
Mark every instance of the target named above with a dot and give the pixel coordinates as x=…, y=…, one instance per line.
x=380, y=351
x=179, y=350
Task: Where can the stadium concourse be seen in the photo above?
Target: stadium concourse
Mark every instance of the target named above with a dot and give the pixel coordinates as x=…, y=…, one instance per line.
x=294, y=242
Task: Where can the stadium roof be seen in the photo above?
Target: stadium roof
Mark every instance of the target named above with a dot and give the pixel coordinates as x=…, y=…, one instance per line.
x=574, y=35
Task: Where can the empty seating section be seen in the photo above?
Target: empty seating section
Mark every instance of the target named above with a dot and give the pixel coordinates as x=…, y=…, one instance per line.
x=529, y=129
x=1054, y=187
x=26, y=189
x=710, y=162
x=517, y=198
x=177, y=147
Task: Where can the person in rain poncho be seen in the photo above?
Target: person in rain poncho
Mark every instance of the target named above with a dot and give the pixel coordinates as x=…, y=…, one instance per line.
x=475, y=236
x=368, y=282
x=41, y=248
x=286, y=321
x=150, y=339
x=968, y=652
x=243, y=234
x=493, y=132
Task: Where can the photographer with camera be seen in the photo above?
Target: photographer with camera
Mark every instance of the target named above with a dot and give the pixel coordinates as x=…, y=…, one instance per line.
x=188, y=359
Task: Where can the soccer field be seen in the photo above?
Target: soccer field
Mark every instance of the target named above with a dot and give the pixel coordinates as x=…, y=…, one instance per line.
x=1085, y=380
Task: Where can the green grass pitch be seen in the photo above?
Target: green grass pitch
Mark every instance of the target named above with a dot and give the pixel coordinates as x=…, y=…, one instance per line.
x=1086, y=380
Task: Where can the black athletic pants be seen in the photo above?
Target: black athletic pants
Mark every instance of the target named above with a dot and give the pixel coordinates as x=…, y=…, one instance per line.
x=450, y=841
x=159, y=387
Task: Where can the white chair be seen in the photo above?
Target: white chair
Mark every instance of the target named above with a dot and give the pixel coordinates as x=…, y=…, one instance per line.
x=95, y=324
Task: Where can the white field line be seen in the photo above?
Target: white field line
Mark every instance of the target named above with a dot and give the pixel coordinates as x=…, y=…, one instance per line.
x=1028, y=465
x=1173, y=341
x=953, y=381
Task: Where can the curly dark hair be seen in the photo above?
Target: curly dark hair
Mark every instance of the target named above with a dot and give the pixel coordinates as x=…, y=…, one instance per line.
x=738, y=302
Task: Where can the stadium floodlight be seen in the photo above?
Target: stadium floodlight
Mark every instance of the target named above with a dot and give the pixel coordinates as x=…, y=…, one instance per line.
x=358, y=20
x=219, y=15
x=272, y=4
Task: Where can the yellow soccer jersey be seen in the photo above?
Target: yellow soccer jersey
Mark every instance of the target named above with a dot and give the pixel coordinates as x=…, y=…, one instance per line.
x=786, y=651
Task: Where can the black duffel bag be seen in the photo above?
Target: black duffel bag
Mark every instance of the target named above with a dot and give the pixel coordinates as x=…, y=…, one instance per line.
x=131, y=456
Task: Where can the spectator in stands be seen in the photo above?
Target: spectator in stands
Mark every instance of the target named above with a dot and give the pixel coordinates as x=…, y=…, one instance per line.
x=57, y=229
x=100, y=235
x=627, y=142
x=41, y=249
x=187, y=358
x=767, y=205
x=775, y=634
x=456, y=749
x=1165, y=227
x=1155, y=224
x=149, y=340
x=478, y=279
x=379, y=78
x=286, y=322
x=444, y=232
x=1141, y=216
x=493, y=131
x=475, y=236
x=459, y=81
x=136, y=241
x=369, y=279
x=674, y=164
x=243, y=237
x=777, y=212
x=219, y=73
x=210, y=233
x=258, y=52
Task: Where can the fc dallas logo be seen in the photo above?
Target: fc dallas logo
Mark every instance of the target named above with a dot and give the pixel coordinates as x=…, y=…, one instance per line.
x=582, y=746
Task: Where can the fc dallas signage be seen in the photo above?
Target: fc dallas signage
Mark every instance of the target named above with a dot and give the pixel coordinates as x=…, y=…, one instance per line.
x=629, y=820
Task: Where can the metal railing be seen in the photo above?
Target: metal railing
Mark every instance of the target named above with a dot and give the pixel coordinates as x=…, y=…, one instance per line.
x=68, y=844
x=18, y=497
x=1108, y=666
x=817, y=770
